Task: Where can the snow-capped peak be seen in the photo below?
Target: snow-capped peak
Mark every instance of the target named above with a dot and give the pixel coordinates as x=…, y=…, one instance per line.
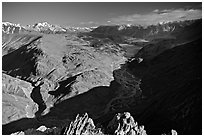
x=124, y=26
x=129, y=25
x=10, y=28
x=42, y=24
x=11, y=24
x=43, y=27
x=163, y=22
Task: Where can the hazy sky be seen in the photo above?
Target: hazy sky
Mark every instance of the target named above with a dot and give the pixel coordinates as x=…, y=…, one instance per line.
x=93, y=14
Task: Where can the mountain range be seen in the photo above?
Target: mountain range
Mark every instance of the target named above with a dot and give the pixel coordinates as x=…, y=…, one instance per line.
x=43, y=27
x=102, y=80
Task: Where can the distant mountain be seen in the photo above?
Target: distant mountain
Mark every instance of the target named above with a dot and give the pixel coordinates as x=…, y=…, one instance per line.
x=184, y=32
x=173, y=30
x=42, y=27
x=151, y=40
x=117, y=32
x=10, y=28
x=47, y=28
x=50, y=28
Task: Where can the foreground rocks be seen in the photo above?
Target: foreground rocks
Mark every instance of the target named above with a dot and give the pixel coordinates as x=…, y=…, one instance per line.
x=121, y=124
x=82, y=125
x=124, y=124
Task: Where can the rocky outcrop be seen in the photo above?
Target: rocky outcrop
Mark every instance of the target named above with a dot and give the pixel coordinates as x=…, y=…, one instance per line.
x=124, y=124
x=82, y=125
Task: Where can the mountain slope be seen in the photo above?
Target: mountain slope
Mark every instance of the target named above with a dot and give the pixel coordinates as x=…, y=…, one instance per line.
x=67, y=67
x=172, y=86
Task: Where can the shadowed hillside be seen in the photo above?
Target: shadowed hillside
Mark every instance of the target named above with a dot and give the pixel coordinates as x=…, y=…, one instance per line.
x=171, y=83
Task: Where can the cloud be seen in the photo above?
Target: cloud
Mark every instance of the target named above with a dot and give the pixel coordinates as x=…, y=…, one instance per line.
x=156, y=10
x=88, y=24
x=157, y=16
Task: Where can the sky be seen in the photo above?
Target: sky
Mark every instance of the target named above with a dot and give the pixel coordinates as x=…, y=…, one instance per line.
x=99, y=13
